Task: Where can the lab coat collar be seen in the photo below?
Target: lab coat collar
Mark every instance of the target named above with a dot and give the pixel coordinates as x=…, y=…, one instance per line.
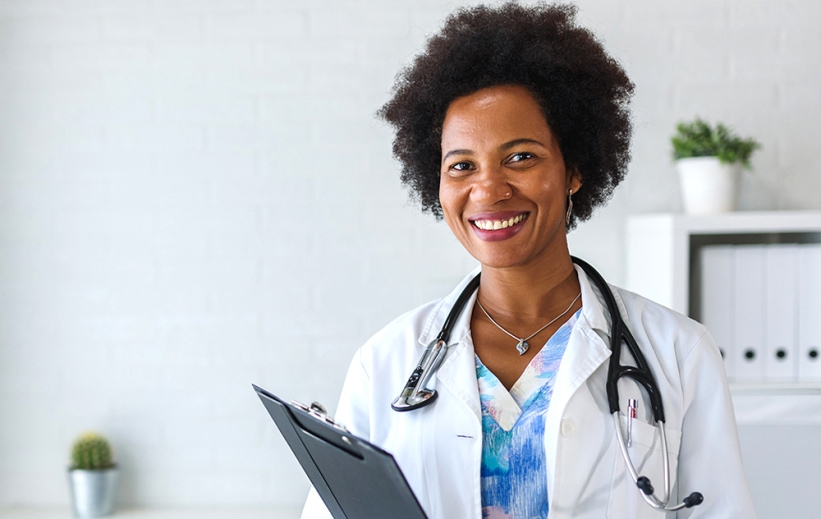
x=582, y=357
x=587, y=348
x=457, y=372
x=592, y=309
x=461, y=327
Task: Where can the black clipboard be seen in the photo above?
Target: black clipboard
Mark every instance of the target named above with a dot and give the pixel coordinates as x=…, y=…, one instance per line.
x=354, y=478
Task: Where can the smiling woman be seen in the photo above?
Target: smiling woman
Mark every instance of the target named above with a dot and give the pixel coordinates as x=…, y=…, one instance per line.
x=513, y=126
x=504, y=190
x=503, y=178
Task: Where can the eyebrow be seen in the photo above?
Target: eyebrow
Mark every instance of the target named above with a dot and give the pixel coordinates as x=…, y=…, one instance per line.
x=503, y=147
x=516, y=142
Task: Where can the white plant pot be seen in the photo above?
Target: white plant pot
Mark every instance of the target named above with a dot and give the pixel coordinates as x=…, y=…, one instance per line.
x=93, y=491
x=707, y=185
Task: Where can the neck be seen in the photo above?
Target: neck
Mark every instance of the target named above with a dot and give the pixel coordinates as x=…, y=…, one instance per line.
x=528, y=293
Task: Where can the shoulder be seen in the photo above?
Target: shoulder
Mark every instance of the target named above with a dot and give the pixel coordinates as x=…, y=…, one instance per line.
x=682, y=354
x=638, y=305
x=660, y=324
x=412, y=331
x=403, y=332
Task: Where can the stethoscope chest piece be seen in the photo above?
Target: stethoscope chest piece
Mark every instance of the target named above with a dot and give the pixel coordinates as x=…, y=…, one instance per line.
x=416, y=394
x=413, y=401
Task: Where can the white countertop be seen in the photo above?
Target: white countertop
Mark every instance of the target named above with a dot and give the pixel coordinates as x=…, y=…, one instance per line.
x=160, y=513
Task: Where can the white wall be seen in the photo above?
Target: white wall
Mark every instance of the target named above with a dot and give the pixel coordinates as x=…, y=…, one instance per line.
x=194, y=196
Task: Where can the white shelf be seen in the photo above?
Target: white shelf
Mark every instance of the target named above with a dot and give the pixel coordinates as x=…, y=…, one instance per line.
x=659, y=246
x=751, y=222
x=777, y=388
x=159, y=513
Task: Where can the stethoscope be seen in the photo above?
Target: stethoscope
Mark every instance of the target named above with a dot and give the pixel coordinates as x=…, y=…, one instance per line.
x=416, y=394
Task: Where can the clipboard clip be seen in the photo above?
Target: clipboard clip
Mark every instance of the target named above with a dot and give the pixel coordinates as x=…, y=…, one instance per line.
x=318, y=411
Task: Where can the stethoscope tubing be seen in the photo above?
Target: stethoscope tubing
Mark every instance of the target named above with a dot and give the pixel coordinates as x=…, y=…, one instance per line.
x=416, y=394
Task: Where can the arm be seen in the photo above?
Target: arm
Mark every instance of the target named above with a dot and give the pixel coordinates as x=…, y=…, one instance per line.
x=710, y=457
x=352, y=412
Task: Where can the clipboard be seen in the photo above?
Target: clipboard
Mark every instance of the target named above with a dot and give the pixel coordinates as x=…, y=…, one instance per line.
x=354, y=478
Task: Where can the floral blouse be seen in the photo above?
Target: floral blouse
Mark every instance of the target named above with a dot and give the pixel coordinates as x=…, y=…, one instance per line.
x=513, y=473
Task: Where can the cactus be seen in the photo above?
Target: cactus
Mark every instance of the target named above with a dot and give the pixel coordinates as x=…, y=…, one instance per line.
x=91, y=451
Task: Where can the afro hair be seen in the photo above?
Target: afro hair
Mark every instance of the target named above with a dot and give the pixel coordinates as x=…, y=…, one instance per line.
x=583, y=92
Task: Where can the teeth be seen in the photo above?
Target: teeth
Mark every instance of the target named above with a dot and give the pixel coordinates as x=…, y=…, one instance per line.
x=493, y=225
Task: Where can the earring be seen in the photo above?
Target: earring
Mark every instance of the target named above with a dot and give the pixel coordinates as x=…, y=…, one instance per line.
x=569, y=208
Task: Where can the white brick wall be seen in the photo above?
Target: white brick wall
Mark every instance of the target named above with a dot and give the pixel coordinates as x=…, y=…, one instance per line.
x=194, y=196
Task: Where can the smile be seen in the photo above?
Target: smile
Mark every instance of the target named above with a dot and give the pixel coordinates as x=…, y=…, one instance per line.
x=495, y=225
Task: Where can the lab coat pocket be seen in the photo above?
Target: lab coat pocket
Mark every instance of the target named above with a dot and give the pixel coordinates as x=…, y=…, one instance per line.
x=645, y=452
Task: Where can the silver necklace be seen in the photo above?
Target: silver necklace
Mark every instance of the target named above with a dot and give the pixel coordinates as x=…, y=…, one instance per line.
x=522, y=345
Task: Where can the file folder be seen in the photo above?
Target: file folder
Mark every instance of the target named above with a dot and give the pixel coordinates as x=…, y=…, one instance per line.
x=809, y=314
x=749, y=317
x=781, y=306
x=716, y=305
x=354, y=478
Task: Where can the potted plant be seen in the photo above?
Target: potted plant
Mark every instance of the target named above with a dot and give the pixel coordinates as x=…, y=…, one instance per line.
x=92, y=476
x=709, y=161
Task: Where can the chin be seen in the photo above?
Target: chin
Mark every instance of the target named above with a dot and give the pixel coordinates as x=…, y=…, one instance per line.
x=499, y=261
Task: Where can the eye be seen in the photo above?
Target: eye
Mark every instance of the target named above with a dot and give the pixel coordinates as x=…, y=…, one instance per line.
x=460, y=168
x=520, y=156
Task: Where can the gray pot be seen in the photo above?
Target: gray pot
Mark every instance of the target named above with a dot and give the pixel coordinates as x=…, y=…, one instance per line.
x=93, y=491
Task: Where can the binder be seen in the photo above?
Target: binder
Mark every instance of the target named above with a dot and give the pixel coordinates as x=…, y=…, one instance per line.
x=781, y=305
x=749, y=293
x=353, y=477
x=809, y=314
x=716, y=305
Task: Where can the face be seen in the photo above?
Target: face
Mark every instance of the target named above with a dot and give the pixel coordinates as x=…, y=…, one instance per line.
x=503, y=183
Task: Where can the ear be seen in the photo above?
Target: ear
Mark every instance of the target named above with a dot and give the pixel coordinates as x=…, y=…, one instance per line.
x=574, y=180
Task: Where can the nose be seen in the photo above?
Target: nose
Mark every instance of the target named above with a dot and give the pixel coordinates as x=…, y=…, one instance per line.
x=492, y=186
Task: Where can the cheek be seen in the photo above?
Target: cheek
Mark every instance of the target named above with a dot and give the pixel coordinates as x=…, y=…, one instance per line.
x=447, y=197
x=451, y=199
x=553, y=188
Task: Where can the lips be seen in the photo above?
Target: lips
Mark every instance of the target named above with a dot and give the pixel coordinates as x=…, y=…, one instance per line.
x=498, y=226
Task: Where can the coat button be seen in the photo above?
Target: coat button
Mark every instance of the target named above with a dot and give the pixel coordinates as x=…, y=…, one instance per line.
x=568, y=427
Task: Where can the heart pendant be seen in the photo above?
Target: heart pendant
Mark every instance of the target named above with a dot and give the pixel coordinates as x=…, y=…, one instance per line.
x=522, y=347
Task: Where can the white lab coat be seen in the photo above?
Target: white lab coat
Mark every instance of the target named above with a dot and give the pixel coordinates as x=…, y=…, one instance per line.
x=439, y=447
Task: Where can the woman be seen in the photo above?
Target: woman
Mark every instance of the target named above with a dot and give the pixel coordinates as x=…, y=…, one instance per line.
x=513, y=125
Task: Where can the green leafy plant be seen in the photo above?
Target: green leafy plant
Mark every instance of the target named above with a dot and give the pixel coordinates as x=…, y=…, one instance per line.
x=699, y=139
x=91, y=451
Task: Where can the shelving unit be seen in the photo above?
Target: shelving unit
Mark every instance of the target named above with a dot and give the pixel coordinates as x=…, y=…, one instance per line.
x=778, y=422
x=662, y=249
x=663, y=261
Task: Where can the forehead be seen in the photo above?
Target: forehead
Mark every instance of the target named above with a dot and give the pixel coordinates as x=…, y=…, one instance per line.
x=498, y=112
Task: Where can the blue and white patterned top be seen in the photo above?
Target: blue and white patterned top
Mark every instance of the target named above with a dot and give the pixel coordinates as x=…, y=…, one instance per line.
x=514, y=473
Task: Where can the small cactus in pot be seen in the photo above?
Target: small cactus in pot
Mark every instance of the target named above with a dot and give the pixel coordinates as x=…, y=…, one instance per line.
x=91, y=451
x=92, y=476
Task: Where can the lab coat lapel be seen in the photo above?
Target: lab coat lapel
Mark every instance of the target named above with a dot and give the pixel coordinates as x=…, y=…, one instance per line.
x=457, y=373
x=586, y=351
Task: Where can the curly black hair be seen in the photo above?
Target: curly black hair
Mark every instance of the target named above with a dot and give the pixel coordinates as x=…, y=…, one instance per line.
x=584, y=94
